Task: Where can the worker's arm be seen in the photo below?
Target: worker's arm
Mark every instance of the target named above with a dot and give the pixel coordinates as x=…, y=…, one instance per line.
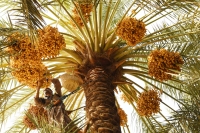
x=39, y=85
x=57, y=86
x=38, y=100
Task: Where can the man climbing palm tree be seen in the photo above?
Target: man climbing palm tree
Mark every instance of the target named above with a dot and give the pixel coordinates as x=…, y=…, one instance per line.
x=57, y=115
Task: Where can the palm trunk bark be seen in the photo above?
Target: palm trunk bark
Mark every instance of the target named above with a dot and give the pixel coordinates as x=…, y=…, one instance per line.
x=101, y=110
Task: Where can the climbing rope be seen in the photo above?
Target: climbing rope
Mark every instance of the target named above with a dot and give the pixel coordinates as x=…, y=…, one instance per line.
x=49, y=107
x=65, y=96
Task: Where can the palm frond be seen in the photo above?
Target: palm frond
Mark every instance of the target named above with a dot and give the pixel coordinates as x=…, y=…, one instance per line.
x=26, y=14
x=29, y=14
x=186, y=118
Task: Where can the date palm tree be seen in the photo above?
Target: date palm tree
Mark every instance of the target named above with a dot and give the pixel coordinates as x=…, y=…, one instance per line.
x=109, y=46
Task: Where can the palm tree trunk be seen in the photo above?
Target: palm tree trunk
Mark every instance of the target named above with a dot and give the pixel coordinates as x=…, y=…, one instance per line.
x=101, y=110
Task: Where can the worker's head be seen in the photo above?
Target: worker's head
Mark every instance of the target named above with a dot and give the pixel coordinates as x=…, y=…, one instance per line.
x=48, y=93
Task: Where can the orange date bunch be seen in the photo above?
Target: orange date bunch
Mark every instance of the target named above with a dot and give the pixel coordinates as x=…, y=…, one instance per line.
x=25, y=60
x=131, y=30
x=21, y=48
x=30, y=74
x=148, y=103
x=161, y=61
x=123, y=117
x=50, y=42
x=34, y=116
x=85, y=7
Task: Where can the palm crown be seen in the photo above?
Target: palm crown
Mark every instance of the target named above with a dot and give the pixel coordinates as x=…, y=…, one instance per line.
x=105, y=47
